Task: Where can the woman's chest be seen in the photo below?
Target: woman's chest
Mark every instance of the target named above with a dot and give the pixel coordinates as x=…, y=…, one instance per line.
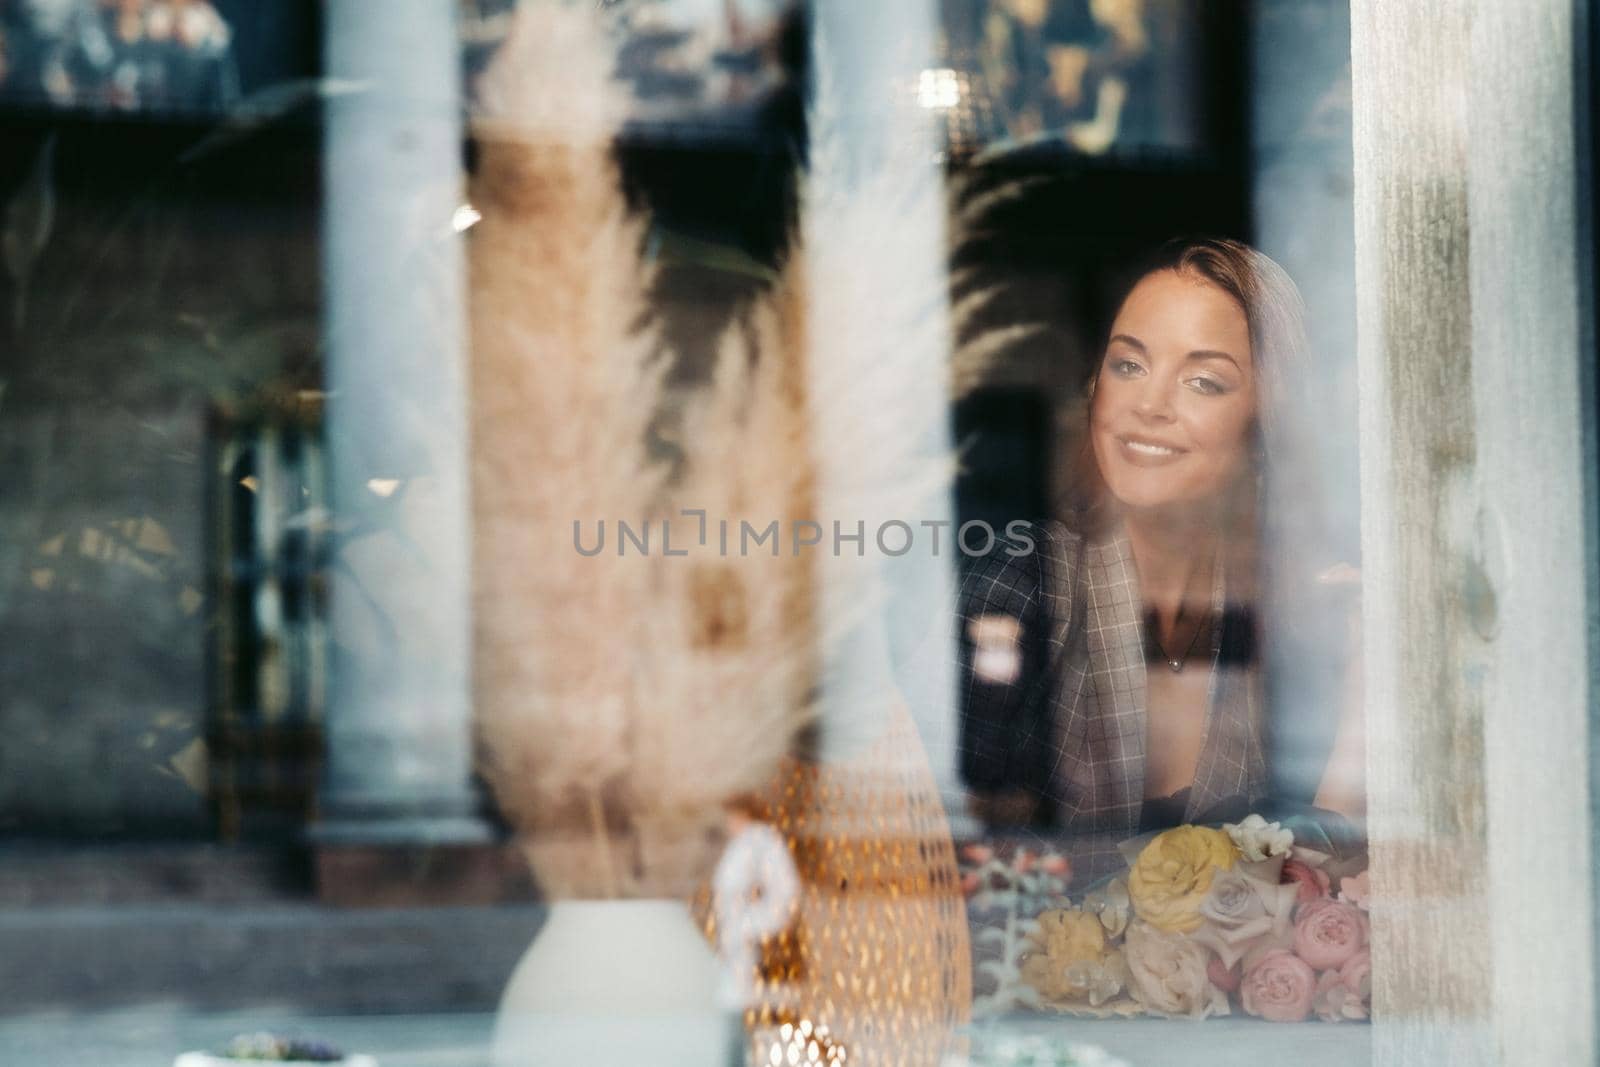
x=1176, y=706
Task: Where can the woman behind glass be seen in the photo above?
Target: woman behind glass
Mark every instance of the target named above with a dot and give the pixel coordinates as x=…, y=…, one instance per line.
x=1111, y=668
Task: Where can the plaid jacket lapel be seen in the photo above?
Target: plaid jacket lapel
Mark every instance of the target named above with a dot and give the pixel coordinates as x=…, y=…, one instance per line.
x=1232, y=761
x=1116, y=717
x=1100, y=698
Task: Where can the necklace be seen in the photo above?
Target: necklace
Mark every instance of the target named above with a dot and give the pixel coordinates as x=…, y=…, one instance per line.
x=1153, y=646
x=1154, y=642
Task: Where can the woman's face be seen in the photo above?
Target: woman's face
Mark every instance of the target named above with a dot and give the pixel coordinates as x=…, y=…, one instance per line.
x=1175, y=400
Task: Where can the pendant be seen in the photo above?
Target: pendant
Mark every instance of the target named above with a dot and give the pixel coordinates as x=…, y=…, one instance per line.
x=1175, y=664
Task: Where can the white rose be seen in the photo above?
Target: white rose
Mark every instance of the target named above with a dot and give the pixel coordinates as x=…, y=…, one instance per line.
x=1240, y=910
x=1169, y=974
x=1111, y=903
x=1259, y=839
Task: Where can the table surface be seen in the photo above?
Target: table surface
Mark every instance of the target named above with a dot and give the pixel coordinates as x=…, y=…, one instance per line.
x=153, y=1037
x=1225, y=1042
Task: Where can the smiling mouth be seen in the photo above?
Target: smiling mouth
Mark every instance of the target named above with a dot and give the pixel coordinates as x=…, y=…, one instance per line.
x=1149, y=449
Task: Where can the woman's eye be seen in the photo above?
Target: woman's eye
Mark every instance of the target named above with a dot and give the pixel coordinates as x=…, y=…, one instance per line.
x=1208, y=386
x=1125, y=368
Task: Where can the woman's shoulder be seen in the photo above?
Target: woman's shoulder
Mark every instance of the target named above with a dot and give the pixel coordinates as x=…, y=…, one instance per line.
x=1059, y=547
x=1029, y=564
x=1019, y=548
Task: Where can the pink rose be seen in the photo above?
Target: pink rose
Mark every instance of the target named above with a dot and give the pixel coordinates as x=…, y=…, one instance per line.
x=1327, y=934
x=1334, y=1002
x=970, y=883
x=1223, y=977
x=1356, y=890
x=1279, y=988
x=1347, y=992
x=1356, y=974
x=1309, y=882
x=976, y=853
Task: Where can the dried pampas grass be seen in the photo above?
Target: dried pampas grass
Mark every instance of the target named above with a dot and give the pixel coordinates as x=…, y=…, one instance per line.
x=621, y=698
x=732, y=659
x=987, y=343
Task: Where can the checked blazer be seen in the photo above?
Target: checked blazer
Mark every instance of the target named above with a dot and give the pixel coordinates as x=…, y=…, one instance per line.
x=1071, y=724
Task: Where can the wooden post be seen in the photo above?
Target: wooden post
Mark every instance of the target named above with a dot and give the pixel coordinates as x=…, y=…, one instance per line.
x=1476, y=501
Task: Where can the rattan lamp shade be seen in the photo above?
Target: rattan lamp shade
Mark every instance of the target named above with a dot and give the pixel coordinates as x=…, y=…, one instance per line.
x=879, y=955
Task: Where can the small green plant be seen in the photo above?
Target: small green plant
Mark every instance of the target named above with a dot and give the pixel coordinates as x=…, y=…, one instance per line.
x=276, y=1048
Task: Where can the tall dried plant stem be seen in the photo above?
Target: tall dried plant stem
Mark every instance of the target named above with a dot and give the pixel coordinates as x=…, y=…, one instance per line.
x=566, y=381
x=621, y=700
x=602, y=844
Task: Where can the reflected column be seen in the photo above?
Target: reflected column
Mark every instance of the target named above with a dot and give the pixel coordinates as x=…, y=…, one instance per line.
x=399, y=766
x=877, y=281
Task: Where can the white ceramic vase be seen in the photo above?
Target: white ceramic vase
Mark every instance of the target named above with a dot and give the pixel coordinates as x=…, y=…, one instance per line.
x=612, y=983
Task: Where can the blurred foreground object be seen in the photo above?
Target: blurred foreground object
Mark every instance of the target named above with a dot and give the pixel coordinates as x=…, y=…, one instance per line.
x=274, y=1048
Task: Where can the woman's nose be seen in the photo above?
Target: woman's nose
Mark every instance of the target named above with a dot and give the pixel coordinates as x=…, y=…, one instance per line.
x=1154, y=401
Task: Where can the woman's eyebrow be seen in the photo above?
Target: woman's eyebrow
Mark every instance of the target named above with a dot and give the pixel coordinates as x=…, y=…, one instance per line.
x=1208, y=353
x=1131, y=342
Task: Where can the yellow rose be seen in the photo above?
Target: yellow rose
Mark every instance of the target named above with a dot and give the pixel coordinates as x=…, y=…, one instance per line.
x=1068, y=963
x=1172, y=876
x=1068, y=935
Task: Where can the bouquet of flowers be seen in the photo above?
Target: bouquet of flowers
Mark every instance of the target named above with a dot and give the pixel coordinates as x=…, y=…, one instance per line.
x=1203, y=921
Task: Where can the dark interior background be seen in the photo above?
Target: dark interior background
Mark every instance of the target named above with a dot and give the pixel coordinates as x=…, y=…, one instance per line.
x=178, y=298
